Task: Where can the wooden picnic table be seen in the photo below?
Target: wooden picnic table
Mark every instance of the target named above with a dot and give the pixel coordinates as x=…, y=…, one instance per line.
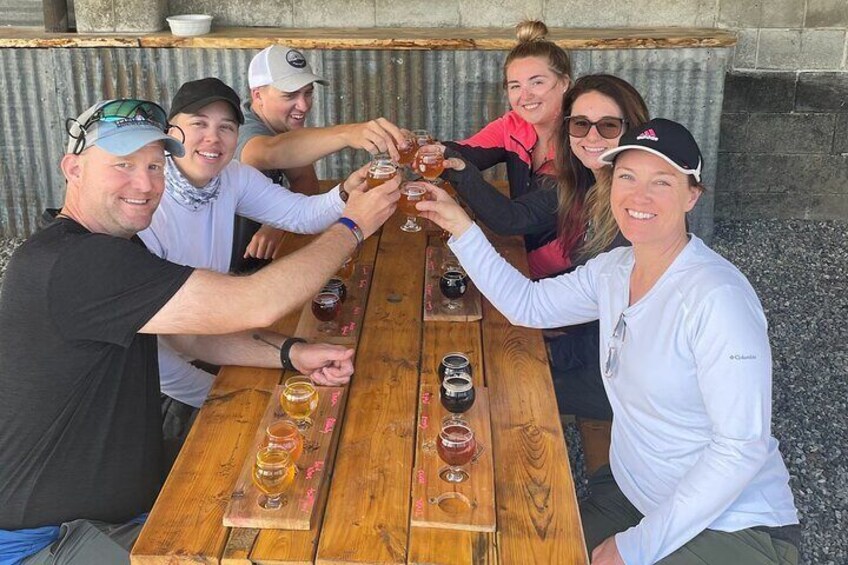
x=366, y=515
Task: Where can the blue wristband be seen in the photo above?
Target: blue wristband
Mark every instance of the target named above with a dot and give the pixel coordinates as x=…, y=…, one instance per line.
x=354, y=229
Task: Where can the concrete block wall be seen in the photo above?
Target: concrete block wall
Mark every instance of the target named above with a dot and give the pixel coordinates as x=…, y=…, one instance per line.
x=783, y=151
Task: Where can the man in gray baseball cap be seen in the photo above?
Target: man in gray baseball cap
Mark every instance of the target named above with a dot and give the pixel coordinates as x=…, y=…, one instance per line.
x=82, y=303
x=274, y=138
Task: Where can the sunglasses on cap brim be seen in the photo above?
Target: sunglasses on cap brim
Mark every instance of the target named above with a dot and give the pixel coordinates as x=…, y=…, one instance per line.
x=116, y=111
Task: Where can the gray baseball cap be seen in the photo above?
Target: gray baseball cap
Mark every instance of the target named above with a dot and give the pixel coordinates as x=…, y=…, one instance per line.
x=121, y=127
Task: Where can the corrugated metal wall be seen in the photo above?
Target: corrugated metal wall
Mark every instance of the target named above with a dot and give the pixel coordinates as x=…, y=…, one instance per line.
x=451, y=93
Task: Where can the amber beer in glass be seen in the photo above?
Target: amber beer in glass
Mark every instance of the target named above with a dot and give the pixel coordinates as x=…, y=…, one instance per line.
x=346, y=270
x=410, y=194
x=283, y=434
x=273, y=474
x=422, y=137
x=407, y=149
x=456, y=446
x=382, y=169
x=299, y=400
x=430, y=161
x=326, y=307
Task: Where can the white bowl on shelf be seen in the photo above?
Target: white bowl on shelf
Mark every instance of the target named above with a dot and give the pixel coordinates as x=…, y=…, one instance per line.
x=188, y=25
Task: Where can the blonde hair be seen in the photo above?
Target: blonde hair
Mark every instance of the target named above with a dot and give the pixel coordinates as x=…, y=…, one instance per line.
x=531, y=36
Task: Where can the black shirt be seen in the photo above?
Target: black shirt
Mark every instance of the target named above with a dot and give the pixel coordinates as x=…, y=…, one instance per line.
x=80, y=429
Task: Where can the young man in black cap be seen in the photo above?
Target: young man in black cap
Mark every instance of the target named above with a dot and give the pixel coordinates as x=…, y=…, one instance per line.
x=81, y=305
x=274, y=138
x=204, y=189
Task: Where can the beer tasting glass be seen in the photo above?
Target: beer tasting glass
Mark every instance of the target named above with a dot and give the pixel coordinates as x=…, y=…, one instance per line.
x=430, y=161
x=346, y=270
x=382, y=169
x=454, y=363
x=273, y=474
x=299, y=400
x=422, y=137
x=410, y=194
x=283, y=434
x=407, y=149
x=326, y=307
x=457, y=394
x=456, y=446
x=337, y=287
x=453, y=284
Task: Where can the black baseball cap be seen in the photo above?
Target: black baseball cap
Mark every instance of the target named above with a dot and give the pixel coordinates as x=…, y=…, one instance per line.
x=663, y=138
x=195, y=94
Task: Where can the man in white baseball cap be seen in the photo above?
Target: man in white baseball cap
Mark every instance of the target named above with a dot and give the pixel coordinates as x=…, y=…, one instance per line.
x=274, y=140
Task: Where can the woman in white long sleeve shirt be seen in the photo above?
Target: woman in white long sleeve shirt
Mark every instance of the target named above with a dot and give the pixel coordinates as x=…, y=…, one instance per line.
x=695, y=475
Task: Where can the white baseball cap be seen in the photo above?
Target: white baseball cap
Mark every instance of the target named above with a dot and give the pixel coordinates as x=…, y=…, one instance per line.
x=283, y=68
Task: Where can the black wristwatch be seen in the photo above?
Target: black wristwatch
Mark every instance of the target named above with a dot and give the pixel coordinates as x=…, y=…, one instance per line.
x=343, y=194
x=285, y=349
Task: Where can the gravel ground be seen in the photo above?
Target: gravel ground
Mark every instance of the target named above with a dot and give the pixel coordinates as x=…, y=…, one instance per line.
x=800, y=271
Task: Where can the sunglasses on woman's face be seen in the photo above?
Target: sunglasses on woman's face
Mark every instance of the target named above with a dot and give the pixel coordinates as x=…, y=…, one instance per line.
x=608, y=127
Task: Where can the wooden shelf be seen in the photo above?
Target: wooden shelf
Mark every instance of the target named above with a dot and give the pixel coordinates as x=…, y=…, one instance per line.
x=379, y=38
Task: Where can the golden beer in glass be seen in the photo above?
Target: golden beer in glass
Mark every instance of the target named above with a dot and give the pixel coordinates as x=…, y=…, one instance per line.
x=273, y=474
x=430, y=161
x=382, y=169
x=299, y=400
x=410, y=194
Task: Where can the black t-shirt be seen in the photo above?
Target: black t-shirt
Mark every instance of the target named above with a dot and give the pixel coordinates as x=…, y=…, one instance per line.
x=80, y=423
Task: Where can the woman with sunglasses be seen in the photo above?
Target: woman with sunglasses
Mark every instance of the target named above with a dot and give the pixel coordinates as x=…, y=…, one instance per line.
x=695, y=475
x=566, y=221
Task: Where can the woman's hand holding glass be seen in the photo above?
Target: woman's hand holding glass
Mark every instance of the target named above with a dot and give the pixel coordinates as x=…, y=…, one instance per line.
x=444, y=211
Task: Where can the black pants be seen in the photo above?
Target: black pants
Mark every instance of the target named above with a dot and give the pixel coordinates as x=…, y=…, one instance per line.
x=243, y=231
x=576, y=371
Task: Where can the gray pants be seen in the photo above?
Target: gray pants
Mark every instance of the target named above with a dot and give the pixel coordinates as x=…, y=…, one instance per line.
x=607, y=512
x=86, y=542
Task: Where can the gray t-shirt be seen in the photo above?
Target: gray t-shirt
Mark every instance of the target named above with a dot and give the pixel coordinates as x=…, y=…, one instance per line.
x=252, y=127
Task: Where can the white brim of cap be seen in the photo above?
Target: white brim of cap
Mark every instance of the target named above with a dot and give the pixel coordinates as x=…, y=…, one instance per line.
x=298, y=81
x=606, y=158
x=124, y=143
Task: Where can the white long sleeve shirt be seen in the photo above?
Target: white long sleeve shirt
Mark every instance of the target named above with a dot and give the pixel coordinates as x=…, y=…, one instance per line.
x=203, y=238
x=691, y=395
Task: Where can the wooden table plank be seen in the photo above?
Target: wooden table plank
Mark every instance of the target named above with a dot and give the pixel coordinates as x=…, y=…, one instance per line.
x=367, y=515
x=449, y=547
x=431, y=545
x=298, y=547
x=538, y=517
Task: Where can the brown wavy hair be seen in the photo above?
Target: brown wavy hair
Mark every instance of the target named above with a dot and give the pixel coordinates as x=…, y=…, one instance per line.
x=532, y=43
x=583, y=197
